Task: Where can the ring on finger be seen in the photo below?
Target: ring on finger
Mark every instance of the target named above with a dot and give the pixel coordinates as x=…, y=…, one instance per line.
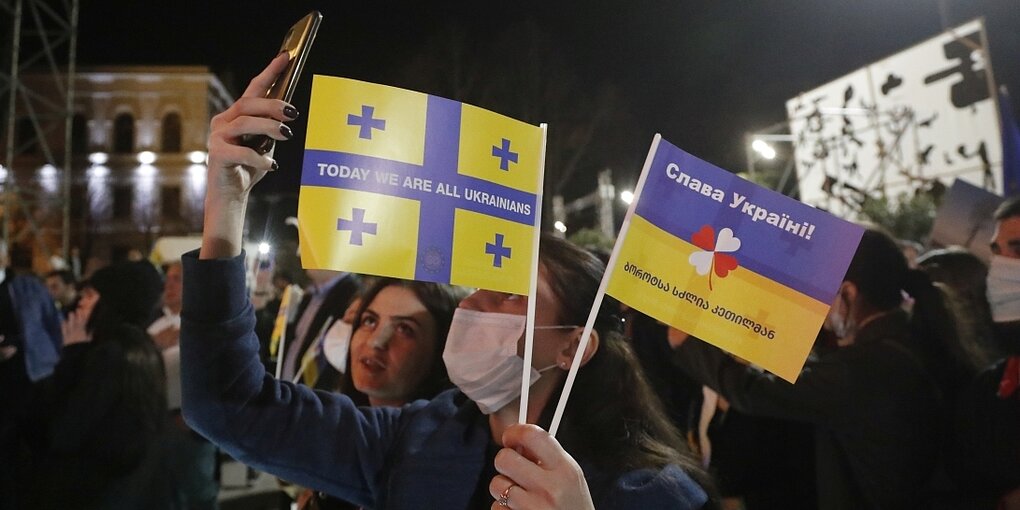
x=504, y=497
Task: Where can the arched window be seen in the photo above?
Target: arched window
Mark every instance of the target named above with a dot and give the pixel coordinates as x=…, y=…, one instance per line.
x=172, y=132
x=79, y=134
x=124, y=134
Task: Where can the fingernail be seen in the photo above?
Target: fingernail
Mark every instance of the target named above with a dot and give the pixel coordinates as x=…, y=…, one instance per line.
x=286, y=131
x=290, y=112
x=275, y=166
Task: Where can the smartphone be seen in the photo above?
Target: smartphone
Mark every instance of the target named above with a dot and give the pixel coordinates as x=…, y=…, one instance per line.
x=297, y=42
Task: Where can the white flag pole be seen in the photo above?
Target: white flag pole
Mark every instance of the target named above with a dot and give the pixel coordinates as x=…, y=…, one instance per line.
x=280, y=350
x=529, y=331
x=306, y=360
x=575, y=364
x=253, y=274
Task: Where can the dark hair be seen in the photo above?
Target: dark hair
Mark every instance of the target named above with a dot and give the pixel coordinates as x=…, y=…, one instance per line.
x=107, y=408
x=1008, y=208
x=613, y=417
x=880, y=272
x=964, y=274
x=66, y=276
x=441, y=301
x=129, y=292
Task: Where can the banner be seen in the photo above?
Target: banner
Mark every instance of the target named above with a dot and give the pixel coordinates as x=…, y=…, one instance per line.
x=727, y=261
x=403, y=184
x=1010, y=145
x=924, y=114
x=965, y=219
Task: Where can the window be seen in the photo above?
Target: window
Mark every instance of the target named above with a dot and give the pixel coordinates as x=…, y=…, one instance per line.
x=79, y=134
x=124, y=134
x=171, y=202
x=123, y=201
x=172, y=132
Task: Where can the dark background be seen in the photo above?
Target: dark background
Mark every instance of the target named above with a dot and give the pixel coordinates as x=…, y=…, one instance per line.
x=701, y=73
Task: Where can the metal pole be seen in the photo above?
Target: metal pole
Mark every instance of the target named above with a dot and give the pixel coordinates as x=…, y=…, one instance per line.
x=68, y=129
x=11, y=101
x=749, y=152
x=607, y=192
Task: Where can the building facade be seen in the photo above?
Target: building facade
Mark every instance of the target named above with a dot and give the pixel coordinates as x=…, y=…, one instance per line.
x=138, y=151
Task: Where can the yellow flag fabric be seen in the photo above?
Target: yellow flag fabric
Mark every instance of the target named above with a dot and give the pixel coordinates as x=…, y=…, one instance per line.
x=403, y=184
x=288, y=306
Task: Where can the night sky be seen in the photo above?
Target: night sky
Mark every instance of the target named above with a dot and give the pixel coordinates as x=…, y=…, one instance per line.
x=700, y=73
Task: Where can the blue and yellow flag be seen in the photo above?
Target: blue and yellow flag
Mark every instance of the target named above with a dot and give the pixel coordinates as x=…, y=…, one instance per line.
x=725, y=260
x=403, y=184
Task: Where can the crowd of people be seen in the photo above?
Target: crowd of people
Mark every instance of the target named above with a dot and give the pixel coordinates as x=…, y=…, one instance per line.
x=127, y=388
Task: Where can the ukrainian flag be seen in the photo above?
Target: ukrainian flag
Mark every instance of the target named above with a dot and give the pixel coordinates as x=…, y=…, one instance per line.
x=403, y=184
x=699, y=251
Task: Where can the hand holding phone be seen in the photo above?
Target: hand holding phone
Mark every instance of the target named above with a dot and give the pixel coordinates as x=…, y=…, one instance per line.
x=297, y=42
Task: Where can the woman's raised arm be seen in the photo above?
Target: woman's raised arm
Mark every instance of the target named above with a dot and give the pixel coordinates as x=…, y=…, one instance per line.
x=233, y=169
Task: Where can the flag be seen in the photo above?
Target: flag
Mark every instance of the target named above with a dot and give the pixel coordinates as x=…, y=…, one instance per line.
x=289, y=303
x=1010, y=146
x=407, y=185
x=313, y=362
x=727, y=261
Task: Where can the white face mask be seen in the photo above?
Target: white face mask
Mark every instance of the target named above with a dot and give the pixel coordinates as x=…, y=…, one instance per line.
x=481, y=357
x=337, y=345
x=839, y=322
x=1004, y=288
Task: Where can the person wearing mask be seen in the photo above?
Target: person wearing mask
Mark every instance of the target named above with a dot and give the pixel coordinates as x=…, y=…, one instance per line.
x=393, y=339
x=462, y=449
x=873, y=401
x=328, y=292
x=986, y=445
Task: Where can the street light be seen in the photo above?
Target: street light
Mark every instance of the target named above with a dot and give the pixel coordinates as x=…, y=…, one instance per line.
x=764, y=149
x=627, y=196
x=264, y=248
x=196, y=157
x=98, y=158
x=146, y=157
x=559, y=225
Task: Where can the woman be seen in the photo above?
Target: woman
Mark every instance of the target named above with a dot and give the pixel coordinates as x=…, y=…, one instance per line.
x=441, y=453
x=396, y=348
x=394, y=355
x=874, y=401
x=102, y=412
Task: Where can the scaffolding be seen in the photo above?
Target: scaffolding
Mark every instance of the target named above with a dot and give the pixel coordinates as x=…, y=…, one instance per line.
x=43, y=39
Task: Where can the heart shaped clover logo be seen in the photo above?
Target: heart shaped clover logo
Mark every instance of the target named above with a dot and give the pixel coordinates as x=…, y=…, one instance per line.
x=714, y=256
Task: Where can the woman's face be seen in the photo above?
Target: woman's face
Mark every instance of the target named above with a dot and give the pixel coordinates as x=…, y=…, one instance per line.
x=548, y=342
x=393, y=348
x=86, y=302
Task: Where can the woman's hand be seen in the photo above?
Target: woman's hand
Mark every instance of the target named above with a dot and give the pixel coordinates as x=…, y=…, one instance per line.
x=537, y=473
x=73, y=328
x=233, y=169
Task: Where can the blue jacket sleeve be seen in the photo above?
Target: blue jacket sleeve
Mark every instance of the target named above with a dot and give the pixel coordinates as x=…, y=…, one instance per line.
x=316, y=439
x=669, y=487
